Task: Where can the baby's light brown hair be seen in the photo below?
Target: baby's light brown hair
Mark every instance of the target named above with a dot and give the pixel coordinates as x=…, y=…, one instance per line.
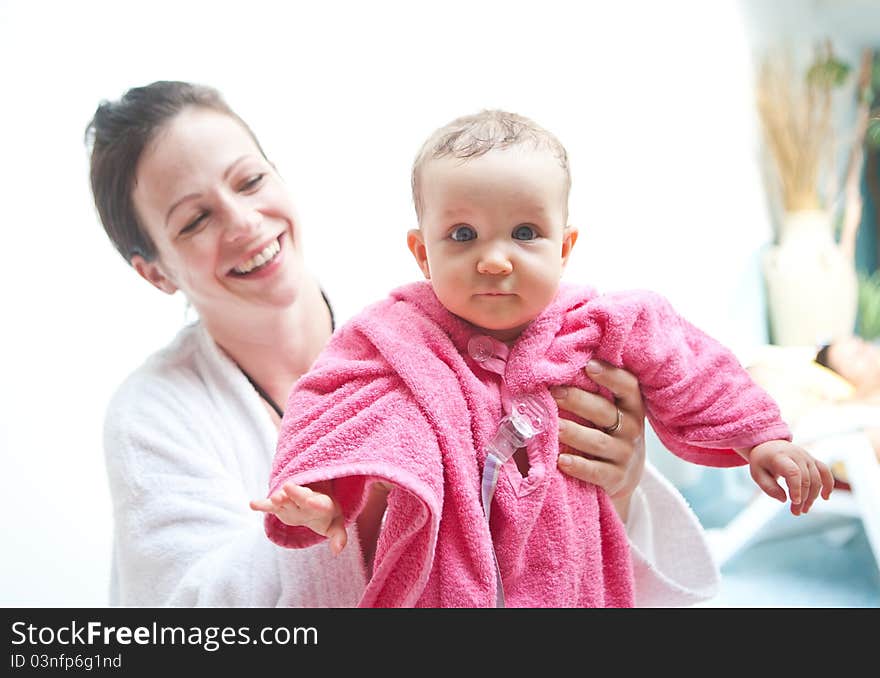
x=471, y=136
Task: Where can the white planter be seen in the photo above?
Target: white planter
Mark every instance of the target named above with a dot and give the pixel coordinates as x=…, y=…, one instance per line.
x=812, y=288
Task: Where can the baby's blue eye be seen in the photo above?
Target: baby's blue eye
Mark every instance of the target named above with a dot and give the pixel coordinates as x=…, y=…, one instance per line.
x=524, y=232
x=463, y=234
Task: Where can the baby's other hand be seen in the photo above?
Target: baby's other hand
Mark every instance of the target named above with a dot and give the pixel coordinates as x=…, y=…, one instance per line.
x=805, y=476
x=301, y=506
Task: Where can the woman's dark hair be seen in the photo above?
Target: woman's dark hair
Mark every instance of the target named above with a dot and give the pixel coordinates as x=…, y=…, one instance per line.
x=822, y=356
x=117, y=136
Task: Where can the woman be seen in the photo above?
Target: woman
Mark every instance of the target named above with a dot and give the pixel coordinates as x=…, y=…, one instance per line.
x=188, y=197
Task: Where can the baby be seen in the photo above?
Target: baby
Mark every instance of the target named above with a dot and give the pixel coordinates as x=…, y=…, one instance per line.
x=442, y=391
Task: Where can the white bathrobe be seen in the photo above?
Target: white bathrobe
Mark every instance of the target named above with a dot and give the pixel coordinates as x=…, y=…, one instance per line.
x=189, y=443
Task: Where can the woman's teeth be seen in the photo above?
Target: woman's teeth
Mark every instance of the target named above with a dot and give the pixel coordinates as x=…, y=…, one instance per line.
x=260, y=259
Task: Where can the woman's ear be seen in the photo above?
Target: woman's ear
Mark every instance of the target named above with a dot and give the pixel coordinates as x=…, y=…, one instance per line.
x=152, y=272
x=569, y=238
x=416, y=244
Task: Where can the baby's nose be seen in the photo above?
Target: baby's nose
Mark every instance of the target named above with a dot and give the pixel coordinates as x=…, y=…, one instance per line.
x=494, y=262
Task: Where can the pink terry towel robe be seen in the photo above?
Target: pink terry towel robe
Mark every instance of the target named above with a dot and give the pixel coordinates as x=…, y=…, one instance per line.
x=395, y=396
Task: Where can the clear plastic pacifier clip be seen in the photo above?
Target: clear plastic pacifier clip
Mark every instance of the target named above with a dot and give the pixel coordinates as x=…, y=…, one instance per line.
x=527, y=419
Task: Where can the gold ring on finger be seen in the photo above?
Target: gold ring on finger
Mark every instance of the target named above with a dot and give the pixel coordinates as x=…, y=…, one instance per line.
x=611, y=430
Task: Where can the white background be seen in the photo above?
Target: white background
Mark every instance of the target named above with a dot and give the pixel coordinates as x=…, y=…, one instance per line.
x=652, y=100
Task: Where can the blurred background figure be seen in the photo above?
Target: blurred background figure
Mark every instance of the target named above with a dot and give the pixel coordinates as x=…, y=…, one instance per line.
x=858, y=362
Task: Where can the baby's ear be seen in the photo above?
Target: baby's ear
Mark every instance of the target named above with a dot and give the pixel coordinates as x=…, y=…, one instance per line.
x=569, y=238
x=152, y=272
x=416, y=244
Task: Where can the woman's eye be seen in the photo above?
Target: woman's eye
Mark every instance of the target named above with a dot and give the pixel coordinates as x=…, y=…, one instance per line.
x=463, y=234
x=192, y=226
x=252, y=182
x=524, y=232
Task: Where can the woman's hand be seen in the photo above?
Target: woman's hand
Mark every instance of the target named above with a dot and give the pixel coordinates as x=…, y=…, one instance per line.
x=612, y=458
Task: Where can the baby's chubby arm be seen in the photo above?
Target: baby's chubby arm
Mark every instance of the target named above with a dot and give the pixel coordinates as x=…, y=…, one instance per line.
x=804, y=475
x=313, y=507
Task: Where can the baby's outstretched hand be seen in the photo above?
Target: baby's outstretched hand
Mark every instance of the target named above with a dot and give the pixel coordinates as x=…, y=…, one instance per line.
x=301, y=506
x=804, y=475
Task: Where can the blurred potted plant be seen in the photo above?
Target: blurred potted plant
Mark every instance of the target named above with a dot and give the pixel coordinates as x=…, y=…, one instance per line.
x=869, y=284
x=811, y=280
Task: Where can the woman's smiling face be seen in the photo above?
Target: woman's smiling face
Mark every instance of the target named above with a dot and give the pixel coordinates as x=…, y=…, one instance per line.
x=223, y=223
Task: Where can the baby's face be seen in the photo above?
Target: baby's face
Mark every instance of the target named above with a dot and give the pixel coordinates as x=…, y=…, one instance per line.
x=493, y=238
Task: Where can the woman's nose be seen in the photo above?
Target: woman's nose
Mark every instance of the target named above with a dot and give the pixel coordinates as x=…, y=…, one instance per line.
x=494, y=261
x=242, y=221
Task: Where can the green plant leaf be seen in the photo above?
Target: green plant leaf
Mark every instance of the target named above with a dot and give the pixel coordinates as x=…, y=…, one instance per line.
x=875, y=74
x=828, y=72
x=869, y=306
x=872, y=134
